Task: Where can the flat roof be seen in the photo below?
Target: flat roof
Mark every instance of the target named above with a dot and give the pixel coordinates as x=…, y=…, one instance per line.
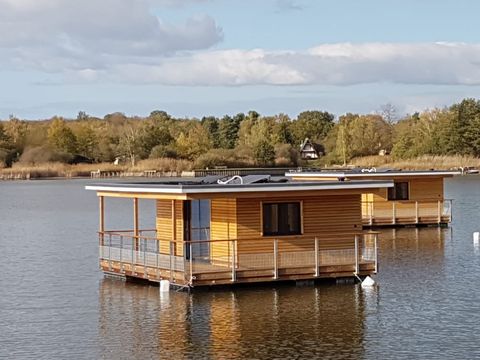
x=370, y=173
x=189, y=187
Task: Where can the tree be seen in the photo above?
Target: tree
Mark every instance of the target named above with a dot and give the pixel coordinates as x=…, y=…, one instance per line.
x=193, y=143
x=264, y=152
x=389, y=113
x=211, y=125
x=314, y=125
x=228, y=130
x=61, y=137
x=129, y=143
x=87, y=142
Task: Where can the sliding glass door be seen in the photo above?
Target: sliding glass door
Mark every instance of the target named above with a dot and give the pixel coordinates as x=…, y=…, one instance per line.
x=197, y=227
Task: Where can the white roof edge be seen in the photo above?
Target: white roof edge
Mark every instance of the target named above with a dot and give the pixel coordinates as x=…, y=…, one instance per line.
x=230, y=189
x=373, y=174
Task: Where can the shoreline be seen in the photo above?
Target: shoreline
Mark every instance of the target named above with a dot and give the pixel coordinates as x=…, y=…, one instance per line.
x=51, y=171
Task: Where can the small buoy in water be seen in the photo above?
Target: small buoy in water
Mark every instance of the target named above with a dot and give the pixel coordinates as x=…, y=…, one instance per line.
x=164, y=286
x=368, y=281
x=476, y=237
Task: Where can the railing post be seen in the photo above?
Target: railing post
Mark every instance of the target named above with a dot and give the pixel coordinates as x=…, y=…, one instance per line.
x=439, y=204
x=191, y=263
x=450, y=202
x=375, y=240
x=275, y=259
x=394, y=212
x=371, y=212
x=416, y=212
x=133, y=256
x=317, y=262
x=234, y=271
x=121, y=253
x=145, y=274
x=157, y=252
x=171, y=262
x=357, y=264
x=109, y=252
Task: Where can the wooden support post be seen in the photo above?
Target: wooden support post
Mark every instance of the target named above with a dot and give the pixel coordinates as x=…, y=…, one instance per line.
x=371, y=212
x=234, y=265
x=439, y=211
x=101, y=223
x=416, y=212
x=275, y=259
x=357, y=263
x=317, y=260
x=394, y=212
x=135, y=223
x=375, y=240
x=174, y=228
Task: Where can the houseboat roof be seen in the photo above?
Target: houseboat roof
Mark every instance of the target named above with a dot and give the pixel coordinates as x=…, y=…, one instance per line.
x=369, y=172
x=265, y=184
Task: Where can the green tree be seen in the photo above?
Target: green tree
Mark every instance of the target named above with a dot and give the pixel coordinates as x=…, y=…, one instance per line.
x=87, y=142
x=314, y=125
x=61, y=137
x=211, y=125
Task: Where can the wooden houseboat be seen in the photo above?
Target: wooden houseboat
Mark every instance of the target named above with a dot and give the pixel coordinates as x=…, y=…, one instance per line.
x=417, y=197
x=244, y=229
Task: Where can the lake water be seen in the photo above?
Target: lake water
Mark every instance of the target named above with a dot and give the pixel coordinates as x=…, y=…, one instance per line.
x=55, y=303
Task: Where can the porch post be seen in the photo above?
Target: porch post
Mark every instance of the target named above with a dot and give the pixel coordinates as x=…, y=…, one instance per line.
x=416, y=212
x=357, y=265
x=101, y=223
x=135, y=222
x=439, y=211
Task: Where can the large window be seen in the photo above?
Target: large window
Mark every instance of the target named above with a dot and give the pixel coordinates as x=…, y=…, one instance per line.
x=399, y=191
x=281, y=219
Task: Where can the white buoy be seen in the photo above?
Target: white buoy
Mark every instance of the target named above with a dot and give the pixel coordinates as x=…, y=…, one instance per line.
x=368, y=281
x=164, y=286
x=476, y=237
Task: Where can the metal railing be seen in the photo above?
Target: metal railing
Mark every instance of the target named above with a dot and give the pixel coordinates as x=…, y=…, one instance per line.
x=407, y=211
x=185, y=262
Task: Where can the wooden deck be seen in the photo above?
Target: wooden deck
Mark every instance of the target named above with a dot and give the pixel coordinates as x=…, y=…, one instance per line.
x=143, y=257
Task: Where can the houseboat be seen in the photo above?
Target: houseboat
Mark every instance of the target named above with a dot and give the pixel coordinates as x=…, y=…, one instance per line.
x=416, y=199
x=215, y=230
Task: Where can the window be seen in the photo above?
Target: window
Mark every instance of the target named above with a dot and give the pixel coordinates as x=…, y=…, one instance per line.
x=399, y=191
x=281, y=219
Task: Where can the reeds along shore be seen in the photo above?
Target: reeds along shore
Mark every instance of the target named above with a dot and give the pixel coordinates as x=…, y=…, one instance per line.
x=61, y=170
x=174, y=167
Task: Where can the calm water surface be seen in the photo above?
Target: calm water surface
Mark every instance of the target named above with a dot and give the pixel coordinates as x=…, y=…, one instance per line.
x=54, y=302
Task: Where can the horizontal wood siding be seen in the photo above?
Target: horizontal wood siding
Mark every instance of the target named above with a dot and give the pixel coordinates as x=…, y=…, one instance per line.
x=179, y=237
x=166, y=230
x=223, y=226
x=322, y=217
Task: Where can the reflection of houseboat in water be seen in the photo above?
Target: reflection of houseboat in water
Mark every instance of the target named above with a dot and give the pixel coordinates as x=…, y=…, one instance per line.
x=417, y=197
x=244, y=229
x=313, y=322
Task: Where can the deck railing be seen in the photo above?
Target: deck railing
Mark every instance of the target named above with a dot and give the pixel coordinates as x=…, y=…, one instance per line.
x=185, y=262
x=407, y=212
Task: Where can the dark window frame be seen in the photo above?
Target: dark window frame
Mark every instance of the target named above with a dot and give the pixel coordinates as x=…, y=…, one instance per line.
x=282, y=213
x=400, y=191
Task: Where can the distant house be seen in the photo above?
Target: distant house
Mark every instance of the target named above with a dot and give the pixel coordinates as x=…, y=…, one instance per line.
x=308, y=150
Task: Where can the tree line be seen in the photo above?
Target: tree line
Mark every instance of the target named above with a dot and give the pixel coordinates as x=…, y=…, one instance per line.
x=245, y=139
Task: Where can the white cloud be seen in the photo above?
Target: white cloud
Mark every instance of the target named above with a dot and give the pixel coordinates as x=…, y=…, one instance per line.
x=54, y=35
x=122, y=41
x=331, y=64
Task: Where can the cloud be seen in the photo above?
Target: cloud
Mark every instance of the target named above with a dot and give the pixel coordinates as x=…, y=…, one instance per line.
x=123, y=41
x=58, y=34
x=330, y=64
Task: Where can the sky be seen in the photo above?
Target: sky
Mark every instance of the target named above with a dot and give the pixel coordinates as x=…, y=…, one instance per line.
x=196, y=58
